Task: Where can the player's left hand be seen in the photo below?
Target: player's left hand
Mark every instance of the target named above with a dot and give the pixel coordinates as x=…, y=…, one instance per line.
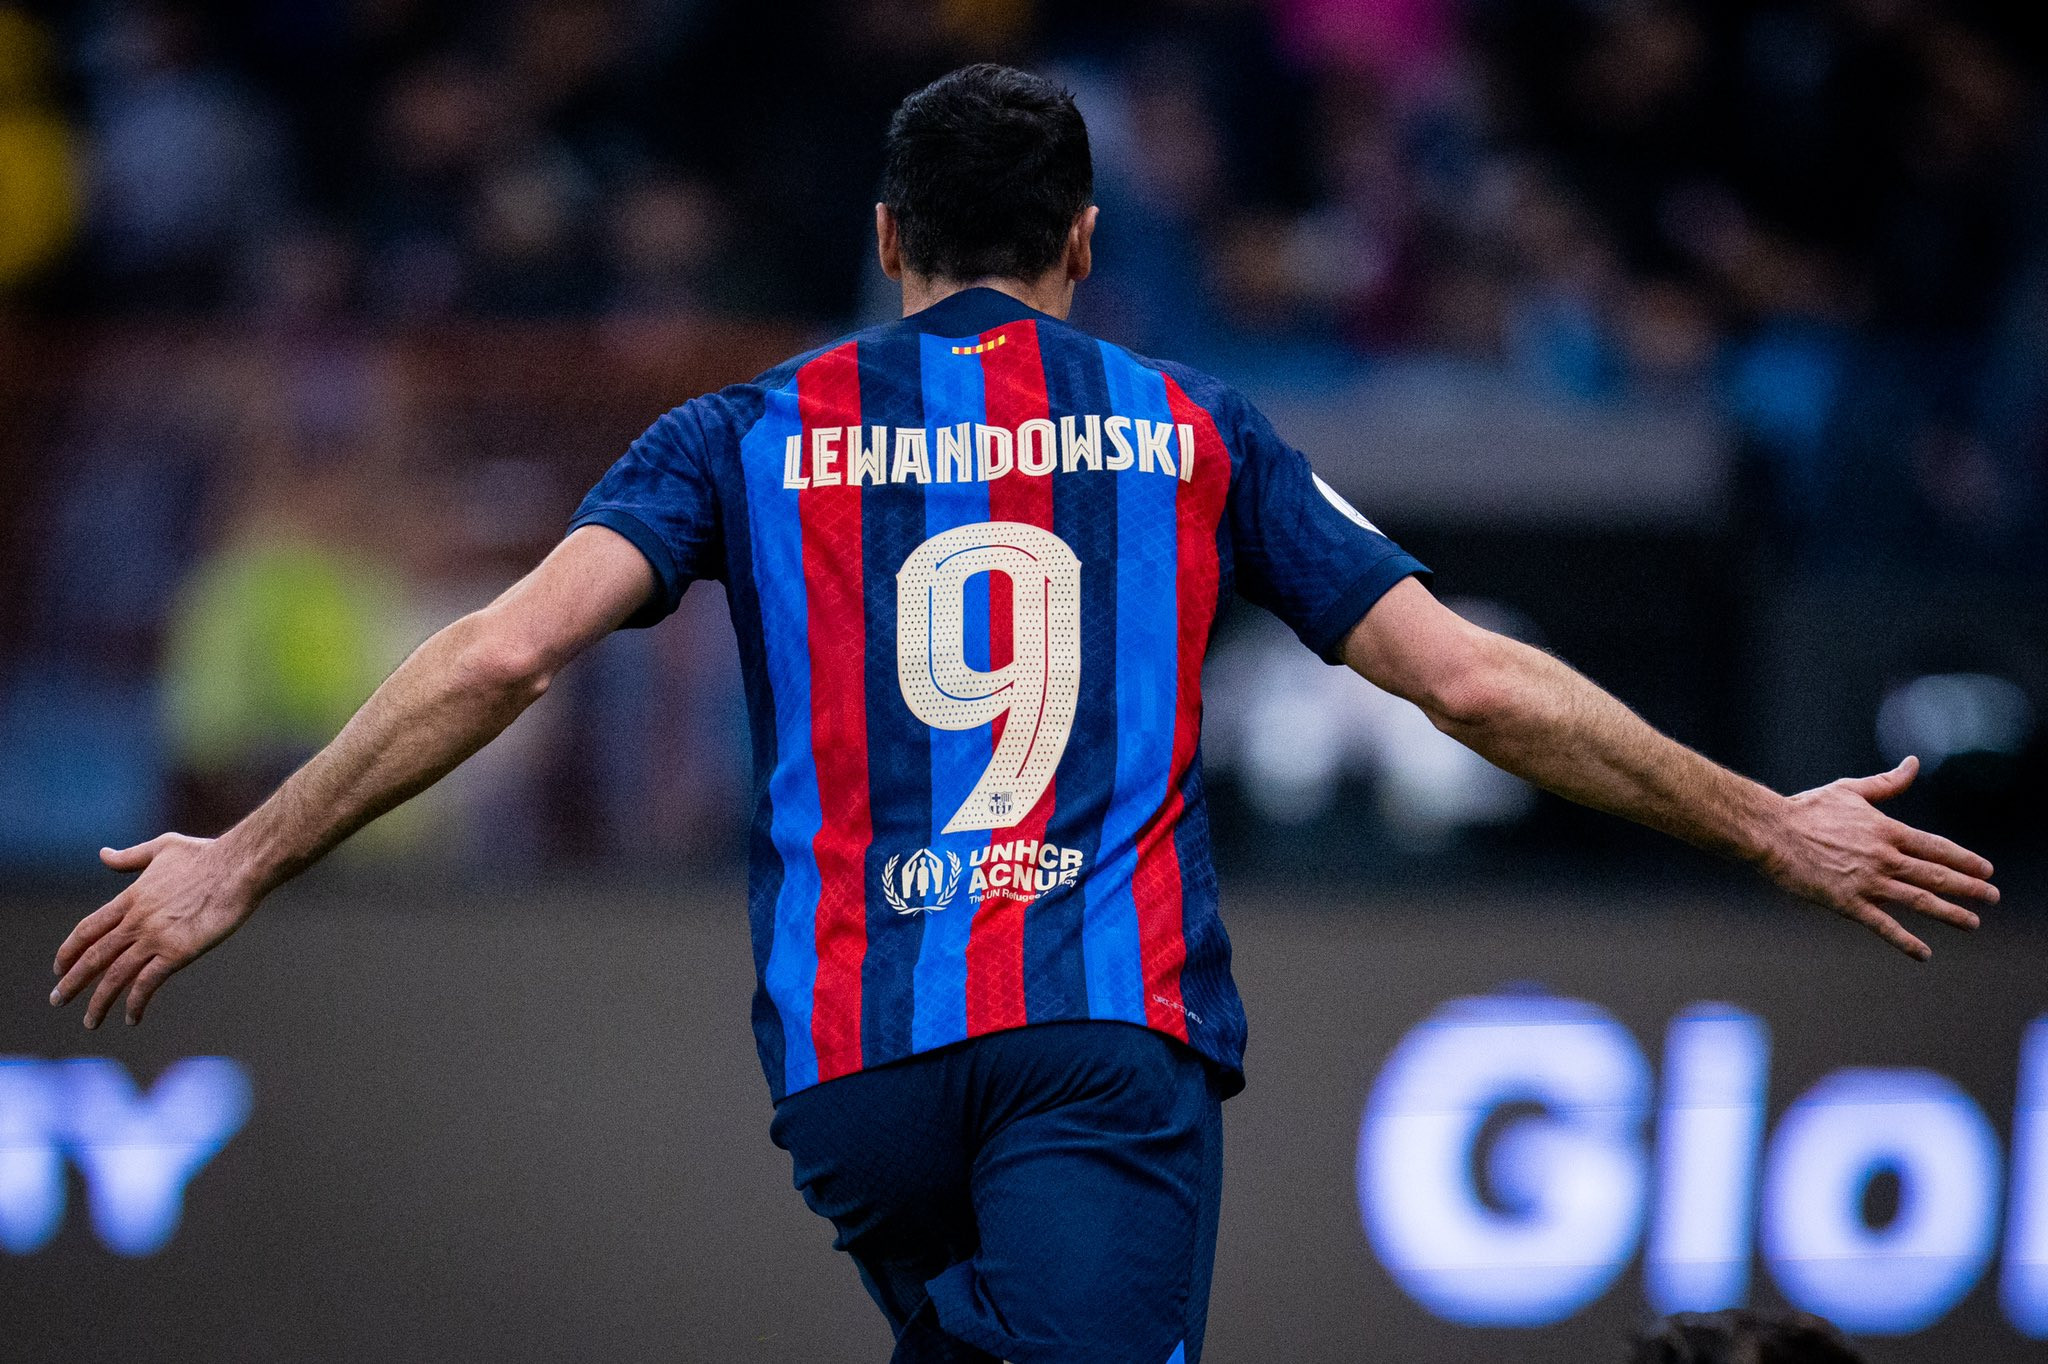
x=1837, y=849
x=184, y=903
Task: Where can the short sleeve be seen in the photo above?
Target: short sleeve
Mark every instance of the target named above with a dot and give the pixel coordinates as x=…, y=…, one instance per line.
x=661, y=496
x=1301, y=550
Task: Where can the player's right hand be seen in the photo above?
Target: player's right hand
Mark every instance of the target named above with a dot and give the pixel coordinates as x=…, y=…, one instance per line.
x=1835, y=848
x=184, y=902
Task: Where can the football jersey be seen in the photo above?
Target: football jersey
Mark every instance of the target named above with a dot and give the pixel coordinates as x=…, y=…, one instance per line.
x=974, y=558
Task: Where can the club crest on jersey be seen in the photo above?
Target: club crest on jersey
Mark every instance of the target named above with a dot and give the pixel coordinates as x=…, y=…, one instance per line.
x=922, y=883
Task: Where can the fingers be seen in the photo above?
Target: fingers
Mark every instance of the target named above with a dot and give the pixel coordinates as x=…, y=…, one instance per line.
x=1886, y=927
x=90, y=930
x=1945, y=881
x=136, y=857
x=1935, y=848
x=146, y=982
x=95, y=959
x=1926, y=902
x=1885, y=785
x=124, y=970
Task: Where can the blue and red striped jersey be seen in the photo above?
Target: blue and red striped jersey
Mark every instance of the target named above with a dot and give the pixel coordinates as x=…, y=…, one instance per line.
x=974, y=558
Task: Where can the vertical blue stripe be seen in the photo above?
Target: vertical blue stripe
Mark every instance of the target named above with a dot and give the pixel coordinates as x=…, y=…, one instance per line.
x=778, y=544
x=1215, y=1015
x=1084, y=516
x=726, y=426
x=899, y=744
x=952, y=394
x=977, y=643
x=1147, y=680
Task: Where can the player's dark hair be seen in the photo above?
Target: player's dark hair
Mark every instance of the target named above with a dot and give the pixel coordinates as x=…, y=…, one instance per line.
x=987, y=169
x=1739, y=1337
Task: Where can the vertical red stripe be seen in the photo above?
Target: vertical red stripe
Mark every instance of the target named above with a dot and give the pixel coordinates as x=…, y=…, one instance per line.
x=828, y=394
x=1013, y=385
x=1000, y=622
x=1156, y=884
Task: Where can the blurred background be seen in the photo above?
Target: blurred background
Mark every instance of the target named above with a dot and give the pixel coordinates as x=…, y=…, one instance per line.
x=1701, y=343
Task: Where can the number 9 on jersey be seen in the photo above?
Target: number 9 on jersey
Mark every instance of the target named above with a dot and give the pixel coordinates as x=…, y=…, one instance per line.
x=1036, y=689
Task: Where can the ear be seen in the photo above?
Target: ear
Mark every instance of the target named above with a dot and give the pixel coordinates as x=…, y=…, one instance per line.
x=886, y=242
x=1081, y=244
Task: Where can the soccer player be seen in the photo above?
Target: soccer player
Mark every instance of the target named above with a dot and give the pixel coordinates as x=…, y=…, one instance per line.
x=974, y=557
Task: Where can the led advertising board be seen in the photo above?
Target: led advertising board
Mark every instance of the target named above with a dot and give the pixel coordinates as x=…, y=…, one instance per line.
x=398, y=1124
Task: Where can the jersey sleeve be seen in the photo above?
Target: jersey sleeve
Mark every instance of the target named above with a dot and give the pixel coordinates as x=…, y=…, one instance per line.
x=1302, y=551
x=662, y=498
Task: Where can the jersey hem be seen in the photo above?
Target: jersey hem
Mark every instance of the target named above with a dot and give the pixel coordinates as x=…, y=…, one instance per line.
x=1328, y=633
x=668, y=590
x=1228, y=1072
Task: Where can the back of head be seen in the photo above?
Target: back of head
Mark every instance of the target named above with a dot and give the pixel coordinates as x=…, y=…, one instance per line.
x=986, y=170
x=1743, y=1338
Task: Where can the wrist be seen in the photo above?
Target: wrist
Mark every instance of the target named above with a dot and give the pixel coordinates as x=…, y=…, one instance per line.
x=1759, y=832
x=246, y=865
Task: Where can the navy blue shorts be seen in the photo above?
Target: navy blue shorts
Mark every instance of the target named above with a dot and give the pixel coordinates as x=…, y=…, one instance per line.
x=1043, y=1194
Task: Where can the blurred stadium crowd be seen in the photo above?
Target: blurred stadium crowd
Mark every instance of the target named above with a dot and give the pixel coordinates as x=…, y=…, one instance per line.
x=324, y=309
x=1604, y=193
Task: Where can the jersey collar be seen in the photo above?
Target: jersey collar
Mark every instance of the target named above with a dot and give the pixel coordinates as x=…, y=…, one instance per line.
x=973, y=311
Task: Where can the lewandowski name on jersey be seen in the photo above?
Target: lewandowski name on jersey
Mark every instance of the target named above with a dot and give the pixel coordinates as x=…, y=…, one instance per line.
x=974, y=452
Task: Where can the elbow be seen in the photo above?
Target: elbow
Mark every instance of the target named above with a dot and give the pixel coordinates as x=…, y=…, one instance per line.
x=1468, y=697
x=491, y=663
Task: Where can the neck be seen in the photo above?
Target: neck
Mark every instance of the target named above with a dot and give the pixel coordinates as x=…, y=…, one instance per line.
x=1052, y=293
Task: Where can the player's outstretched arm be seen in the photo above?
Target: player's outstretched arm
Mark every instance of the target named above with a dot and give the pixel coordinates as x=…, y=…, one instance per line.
x=455, y=694
x=1527, y=712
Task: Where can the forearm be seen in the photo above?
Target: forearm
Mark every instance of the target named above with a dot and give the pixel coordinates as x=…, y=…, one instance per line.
x=446, y=701
x=1530, y=714
x=456, y=693
x=1544, y=722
